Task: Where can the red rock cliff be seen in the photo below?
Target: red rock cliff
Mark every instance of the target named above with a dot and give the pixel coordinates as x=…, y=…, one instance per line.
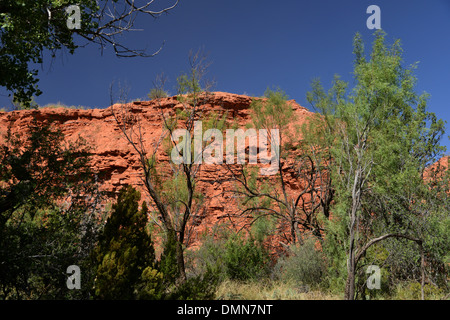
x=116, y=160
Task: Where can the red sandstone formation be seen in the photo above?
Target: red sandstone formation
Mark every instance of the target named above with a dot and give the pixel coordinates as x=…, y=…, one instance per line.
x=117, y=162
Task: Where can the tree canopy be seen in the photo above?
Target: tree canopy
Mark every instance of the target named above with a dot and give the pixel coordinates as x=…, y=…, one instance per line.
x=382, y=138
x=30, y=28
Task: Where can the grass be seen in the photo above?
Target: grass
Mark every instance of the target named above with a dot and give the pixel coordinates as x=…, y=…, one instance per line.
x=269, y=290
x=280, y=290
x=61, y=105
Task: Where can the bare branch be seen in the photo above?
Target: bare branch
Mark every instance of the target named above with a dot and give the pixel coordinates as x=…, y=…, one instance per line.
x=115, y=19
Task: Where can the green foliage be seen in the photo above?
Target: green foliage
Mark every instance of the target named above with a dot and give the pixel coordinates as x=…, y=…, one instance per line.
x=23, y=105
x=262, y=227
x=245, y=259
x=173, y=191
x=149, y=287
x=198, y=286
x=168, y=262
x=202, y=287
x=381, y=138
x=412, y=291
x=182, y=114
x=127, y=268
x=62, y=105
x=304, y=265
x=188, y=86
x=232, y=257
x=157, y=93
x=272, y=111
x=125, y=255
x=27, y=31
x=45, y=225
x=209, y=255
x=298, y=210
x=38, y=164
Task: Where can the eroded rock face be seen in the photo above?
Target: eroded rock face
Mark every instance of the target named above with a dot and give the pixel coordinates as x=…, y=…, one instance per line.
x=116, y=161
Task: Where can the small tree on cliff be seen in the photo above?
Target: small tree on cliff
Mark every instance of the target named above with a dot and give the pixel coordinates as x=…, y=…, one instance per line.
x=381, y=138
x=173, y=186
x=300, y=211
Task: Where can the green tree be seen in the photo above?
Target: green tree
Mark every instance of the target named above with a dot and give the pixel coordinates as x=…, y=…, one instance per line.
x=381, y=138
x=298, y=211
x=125, y=254
x=29, y=28
x=48, y=213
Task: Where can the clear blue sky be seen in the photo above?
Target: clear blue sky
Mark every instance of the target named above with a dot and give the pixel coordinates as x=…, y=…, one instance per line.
x=253, y=44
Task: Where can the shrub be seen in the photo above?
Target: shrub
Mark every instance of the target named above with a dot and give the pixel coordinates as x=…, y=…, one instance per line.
x=62, y=105
x=245, y=259
x=156, y=93
x=207, y=257
x=235, y=258
x=200, y=286
x=304, y=265
x=412, y=291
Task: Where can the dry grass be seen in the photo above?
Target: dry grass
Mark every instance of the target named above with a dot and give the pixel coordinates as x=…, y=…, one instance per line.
x=274, y=290
x=279, y=290
x=62, y=105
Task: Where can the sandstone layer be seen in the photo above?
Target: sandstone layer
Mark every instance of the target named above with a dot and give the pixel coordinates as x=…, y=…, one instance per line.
x=116, y=161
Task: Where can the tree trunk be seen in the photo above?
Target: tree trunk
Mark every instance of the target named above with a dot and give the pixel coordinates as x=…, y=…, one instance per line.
x=350, y=285
x=354, y=259
x=180, y=262
x=293, y=229
x=351, y=266
x=422, y=267
x=351, y=261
